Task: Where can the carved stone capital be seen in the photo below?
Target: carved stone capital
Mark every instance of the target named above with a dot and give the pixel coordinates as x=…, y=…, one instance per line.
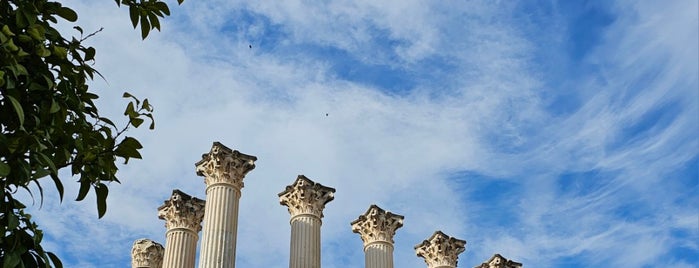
x=182, y=211
x=306, y=197
x=440, y=250
x=146, y=253
x=223, y=165
x=377, y=225
x=498, y=261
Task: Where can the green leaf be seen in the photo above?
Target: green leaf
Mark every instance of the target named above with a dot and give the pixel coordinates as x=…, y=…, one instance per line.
x=54, y=259
x=136, y=122
x=59, y=185
x=162, y=6
x=4, y=169
x=18, y=109
x=145, y=26
x=6, y=30
x=90, y=53
x=40, y=173
x=12, y=221
x=128, y=148
x=11, y=259
x=67, y=14
x=154, y=20
x=101, y=191
x=84, y=188
x=133, y=14
x=54, y=106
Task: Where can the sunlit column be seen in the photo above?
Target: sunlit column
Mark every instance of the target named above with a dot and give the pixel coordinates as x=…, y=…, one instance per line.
x=182, y=214
x=440, y=250
x=498, y=261
x=146, y=253
x=305, y=200
x=377, y=228
x=223, y=170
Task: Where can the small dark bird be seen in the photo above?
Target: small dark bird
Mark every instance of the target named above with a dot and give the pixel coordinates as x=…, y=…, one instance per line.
x=326, y=114
x=250, y=46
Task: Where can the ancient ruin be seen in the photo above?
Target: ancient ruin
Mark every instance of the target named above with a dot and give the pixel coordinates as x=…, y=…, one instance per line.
x=223, y=170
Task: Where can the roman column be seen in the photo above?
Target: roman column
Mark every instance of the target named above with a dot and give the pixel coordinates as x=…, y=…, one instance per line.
x=146, y=253
x=440, y=250
x=182, y=214
x=377, y=228
x=305, y=200
x=223, y=170
x=498, y=261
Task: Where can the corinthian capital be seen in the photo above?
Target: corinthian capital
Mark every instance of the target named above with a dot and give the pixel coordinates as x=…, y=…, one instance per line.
x=182, y=211
x=498, y=261
x=146, y=253
x=223, y=165
x=440, y=250
x=377, y=225
x=306, y=197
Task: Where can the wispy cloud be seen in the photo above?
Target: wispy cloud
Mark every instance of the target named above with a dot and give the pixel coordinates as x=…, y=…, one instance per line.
x=473, y=133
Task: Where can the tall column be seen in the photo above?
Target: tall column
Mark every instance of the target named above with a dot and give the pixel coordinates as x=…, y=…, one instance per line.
x=498, y=261
x=223, y=170
x=440, y=250
x=377, y=228
x=146, y=253
x=305, y=200
x=182, y=214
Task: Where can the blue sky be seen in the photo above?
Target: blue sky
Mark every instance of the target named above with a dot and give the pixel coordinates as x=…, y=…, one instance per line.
x=556, y=133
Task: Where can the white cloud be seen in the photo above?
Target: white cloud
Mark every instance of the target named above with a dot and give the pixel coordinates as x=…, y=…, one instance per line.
x=396, y=151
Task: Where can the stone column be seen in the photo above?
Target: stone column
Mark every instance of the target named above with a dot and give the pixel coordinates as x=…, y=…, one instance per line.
x=305, y=200
x=182, y=214
x=146, y=253
x=440, y=250
x=377, y=228
x=498, y=261
x=223, y=170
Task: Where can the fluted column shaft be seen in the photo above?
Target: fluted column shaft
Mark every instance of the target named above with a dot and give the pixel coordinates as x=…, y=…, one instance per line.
x=182, y=214
x=305, y=242
x=220, y=227
x=180, y=248
x=377, y=227
x=305, y=201
x=378, y=255
x=223, y=170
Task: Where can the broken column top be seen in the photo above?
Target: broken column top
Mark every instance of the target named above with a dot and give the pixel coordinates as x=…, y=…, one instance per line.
x=225, y=166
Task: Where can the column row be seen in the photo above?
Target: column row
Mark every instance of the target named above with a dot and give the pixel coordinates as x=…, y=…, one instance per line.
x=223, y=170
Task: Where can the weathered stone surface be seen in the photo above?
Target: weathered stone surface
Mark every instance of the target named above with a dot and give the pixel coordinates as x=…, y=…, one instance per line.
x=305, y=200
x=377, y=225
x=183, y=215
x=306, y=197
x=223, y=170
x=223, y=165
x=440, y=250
x=498, y=261
x=146, y=253
x=182, y=211
x=377, y=228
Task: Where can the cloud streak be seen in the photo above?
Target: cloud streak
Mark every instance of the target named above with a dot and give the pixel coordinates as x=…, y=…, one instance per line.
x=472, y=143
